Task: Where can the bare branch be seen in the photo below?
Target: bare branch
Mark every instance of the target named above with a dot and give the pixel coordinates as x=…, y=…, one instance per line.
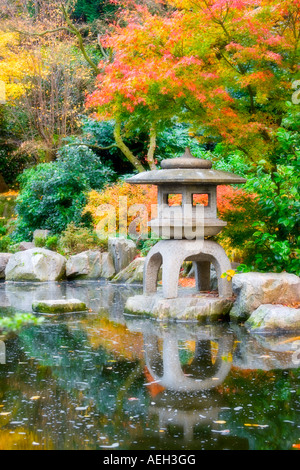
x=76, y=31
x=44, y=33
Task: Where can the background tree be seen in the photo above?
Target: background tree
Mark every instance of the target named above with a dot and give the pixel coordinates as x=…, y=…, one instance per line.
x=225, y=67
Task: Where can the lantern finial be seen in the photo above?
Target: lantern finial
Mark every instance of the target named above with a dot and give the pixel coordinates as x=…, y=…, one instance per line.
x=187, y=160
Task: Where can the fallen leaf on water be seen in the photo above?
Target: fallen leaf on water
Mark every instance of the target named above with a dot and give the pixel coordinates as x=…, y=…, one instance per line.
x=5, y=413
x=220, y=422
x=256, y=425
x=35, y=398
x=111, y=447
x=223, y=431
x=290, y=340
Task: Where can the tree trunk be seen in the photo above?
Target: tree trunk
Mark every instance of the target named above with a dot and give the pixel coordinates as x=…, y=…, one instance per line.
x=126, y=151
x=3, y=186
x=151, y=150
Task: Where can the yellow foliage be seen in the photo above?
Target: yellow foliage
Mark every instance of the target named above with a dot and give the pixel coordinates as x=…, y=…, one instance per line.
x=15, y=64
x=19, y=63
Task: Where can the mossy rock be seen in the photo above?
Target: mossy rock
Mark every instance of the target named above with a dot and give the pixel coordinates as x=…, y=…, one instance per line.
x=59, y=306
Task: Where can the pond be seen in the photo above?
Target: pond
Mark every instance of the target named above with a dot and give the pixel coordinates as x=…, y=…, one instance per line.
x=105, y=380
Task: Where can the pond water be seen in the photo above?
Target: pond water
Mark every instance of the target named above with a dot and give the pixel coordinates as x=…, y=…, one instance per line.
x=105, y=380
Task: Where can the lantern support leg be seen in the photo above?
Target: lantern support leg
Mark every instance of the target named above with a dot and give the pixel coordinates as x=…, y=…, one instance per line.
x=151, y=271
x=202, y=275
x=170, y=277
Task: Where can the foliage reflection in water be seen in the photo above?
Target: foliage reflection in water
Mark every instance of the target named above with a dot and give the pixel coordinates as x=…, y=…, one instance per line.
x=103, y=380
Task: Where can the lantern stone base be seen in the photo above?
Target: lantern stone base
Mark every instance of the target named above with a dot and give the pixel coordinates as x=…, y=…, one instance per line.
x=170, y=255
x=194, y=307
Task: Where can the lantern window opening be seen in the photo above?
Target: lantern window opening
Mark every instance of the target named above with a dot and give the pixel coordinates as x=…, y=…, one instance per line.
x=201, y=198
x=174, y=199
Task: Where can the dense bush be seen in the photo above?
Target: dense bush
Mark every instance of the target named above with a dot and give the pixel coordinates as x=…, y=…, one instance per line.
x=99, y=136
x=275, y=243
x=77, y=239
x=11, y=165
x=266, y=231
x=53, y=194
x=91, y=10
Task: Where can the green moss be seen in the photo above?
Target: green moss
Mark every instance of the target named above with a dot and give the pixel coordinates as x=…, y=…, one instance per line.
x=54, y=307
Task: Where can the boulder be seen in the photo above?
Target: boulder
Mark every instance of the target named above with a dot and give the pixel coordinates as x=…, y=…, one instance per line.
x=23, y=246
x=37, y=264
x=59, y=306
x=255, y=289
x=107, y=266
x=85, y=265
x=184, y=308
x=4, y=258
x=270, y=318
x=132, y=273
x=90, y=265
x=123, y=251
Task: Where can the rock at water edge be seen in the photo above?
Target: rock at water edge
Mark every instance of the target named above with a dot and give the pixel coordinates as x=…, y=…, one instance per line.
x=59, y=306
x=37, y=264
x=123, y=251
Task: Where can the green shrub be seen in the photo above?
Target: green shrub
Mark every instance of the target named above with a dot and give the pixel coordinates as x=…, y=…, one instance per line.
x=267, y=231
x=91, y=10
x=3, y=230
x=77, y=239
x=40, y=242
x=54, y=194
x=145, y=245
x=52, y=242
x=5, y=242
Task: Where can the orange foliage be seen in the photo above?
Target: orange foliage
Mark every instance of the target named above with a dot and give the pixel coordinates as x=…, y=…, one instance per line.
x=115, y=338
x=223, y=65
x=187, y=282
x=153, y=387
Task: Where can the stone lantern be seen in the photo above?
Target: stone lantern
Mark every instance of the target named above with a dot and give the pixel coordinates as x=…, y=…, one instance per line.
x=186, y=228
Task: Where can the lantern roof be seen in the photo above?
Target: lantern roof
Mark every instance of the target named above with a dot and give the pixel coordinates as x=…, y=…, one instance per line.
x=186, y=169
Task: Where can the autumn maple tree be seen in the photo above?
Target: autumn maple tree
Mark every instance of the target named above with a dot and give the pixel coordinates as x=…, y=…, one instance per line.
x=225, y=67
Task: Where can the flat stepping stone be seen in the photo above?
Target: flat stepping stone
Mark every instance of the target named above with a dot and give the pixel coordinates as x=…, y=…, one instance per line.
x=183, y=308
x=59, y=306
